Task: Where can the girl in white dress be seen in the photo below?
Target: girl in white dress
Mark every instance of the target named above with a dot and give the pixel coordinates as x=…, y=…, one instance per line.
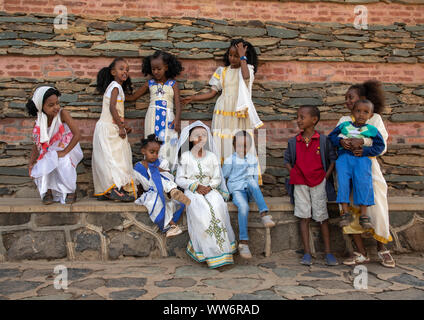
x=378, y=213
x=164, y=98
x=112, y=156
x=56, y=152
x=164, y=202
x=199, y=174
x=234, y=110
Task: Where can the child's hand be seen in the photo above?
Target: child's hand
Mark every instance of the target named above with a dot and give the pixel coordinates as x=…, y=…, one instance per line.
x=203, y=190
x=358, y=152
x=122, y=132
x=186, y=100
x=356, y=143
x=30, y=166
x=61, y=154
x=128, y=129
x=241, y=49
x=176, y=125
x=346, y=144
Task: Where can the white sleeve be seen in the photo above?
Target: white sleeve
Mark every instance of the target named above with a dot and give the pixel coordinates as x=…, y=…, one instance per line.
x=181, y=177
x=141, y=180
x=216, y=82
x=216, y=178
x=164, y=164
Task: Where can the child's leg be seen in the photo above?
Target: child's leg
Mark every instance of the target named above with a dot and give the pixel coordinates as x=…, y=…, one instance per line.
x=344, y=177
x=363, y=210
x=363, y=192
x=304, y=232
x=241, y=202
x=255, y=191
x=357, y=238
x=179, y=196
x=325, y=231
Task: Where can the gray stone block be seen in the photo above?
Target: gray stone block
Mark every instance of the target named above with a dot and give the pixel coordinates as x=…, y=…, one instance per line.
x=56, y=218
x=107, y=220
x=37, y=245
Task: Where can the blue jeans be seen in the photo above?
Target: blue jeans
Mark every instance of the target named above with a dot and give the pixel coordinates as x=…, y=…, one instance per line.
x=241, y=201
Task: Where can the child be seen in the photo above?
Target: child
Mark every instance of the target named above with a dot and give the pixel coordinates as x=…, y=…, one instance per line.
x=153, y=174
x=199, y=174
x=234, y=109
x=56, y=152
x=310, y=160
x=378, y=213
x=240, y=169
x=354, y=166
x=164, y=97
x=112, y=156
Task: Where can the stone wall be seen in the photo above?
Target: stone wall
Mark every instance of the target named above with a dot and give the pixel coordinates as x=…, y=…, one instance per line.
x=309, y=53
x=91, y=230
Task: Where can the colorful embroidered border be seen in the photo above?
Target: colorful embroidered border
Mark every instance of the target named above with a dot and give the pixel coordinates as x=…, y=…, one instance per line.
x=213, y=262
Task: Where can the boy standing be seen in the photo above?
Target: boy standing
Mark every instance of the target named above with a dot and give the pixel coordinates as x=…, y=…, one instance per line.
x=310, y=159
x=241, y=170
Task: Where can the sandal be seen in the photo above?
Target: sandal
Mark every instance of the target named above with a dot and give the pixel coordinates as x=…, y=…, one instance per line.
x=71, y=198
x=120, y=195
x=365, y=222
x=48, y=198
x=103, y=197
x=356, y=259
x=386, y=259
x=346, y=219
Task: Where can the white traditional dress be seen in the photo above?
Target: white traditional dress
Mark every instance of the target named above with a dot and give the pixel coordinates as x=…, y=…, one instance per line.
x=159, y=117
x=50, y=171
x=156, y=185
x=112, y=156
x=378, y=213
x=211, y=235
x=234, y=109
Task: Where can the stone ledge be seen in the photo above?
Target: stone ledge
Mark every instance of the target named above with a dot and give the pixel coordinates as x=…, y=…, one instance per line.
x=275, y=204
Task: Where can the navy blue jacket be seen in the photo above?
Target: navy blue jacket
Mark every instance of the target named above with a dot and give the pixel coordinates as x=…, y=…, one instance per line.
x=328, y=156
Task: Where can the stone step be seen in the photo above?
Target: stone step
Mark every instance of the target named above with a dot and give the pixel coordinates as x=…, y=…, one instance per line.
x=94, y=230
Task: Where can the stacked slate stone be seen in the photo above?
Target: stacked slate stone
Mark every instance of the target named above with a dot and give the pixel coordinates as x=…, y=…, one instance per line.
x=200, y=39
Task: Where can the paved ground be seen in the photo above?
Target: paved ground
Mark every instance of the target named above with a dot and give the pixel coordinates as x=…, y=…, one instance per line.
x=278, y=277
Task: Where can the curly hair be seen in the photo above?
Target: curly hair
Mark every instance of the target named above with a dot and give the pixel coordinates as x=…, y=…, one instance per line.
x=251, y=55
x=150, y=138
x=174, y=65
x=104, y=78
x=30, y=105
x=373, y=91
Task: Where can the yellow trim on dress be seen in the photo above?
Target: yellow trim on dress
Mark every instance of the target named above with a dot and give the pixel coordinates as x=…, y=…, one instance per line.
x=356, y=228
x=102, y=194
x=237, y=114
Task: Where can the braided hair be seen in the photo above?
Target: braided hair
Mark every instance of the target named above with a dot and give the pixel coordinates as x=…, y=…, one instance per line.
x=150, y=138
x=104, y=78
x=251, y=55
x=174, y=65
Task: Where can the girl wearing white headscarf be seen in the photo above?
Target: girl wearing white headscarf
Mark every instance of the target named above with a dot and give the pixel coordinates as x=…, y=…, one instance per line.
x=199, y=174
x=56, y=152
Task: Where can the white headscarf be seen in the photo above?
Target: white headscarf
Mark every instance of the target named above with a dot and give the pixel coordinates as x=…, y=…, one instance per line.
x=41, y=116
x=183, y=143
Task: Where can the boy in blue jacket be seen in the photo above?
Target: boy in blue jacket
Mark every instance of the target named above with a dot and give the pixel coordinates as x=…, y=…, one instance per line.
x=355, y=166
